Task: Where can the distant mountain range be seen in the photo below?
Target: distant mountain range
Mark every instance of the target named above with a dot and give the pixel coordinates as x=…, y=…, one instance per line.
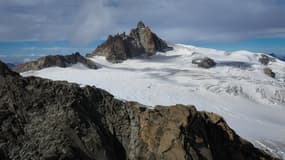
x=10, y=65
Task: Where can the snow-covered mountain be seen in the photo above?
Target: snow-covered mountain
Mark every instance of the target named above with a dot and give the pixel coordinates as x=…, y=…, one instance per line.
x=237, y=88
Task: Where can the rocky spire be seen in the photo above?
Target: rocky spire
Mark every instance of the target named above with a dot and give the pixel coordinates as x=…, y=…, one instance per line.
x=140, y=41
x=140, y=25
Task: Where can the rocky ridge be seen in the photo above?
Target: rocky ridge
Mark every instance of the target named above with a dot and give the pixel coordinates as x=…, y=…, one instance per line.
x=140, y=42
x=55, y=60
x=44, y=119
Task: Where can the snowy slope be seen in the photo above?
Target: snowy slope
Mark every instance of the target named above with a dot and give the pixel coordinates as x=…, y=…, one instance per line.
x=252, y=103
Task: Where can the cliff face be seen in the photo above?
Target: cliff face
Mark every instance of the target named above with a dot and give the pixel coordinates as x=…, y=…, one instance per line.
x=55, y=60
x=140, y=41
x=43, y=119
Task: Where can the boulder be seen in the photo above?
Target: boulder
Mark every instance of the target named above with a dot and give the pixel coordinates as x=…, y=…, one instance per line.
x=44, y=119
x=204, y=62
x=269, y=72
x=140, y=41
x=55, y=60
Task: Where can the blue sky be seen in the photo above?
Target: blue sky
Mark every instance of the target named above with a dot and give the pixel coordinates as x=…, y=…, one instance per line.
x=39, y=27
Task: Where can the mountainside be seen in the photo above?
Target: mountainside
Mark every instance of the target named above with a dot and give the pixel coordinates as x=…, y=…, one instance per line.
x=43, y=119
x=238, y=86
x=5, y=71
x=55, y=60
x=140, y=41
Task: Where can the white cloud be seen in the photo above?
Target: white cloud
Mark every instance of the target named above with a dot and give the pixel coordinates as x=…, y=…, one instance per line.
x=92, y=22
x=184, y=20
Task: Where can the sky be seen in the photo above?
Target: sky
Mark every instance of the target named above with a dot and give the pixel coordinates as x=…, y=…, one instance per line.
x=53, y=26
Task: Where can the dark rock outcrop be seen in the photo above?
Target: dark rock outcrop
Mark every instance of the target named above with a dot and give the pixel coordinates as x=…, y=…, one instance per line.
x=264, y=59
x=204, y=62
x=5, y=71
x=140, y=41
x=44, y=119
x=55, y=60
x=269, y=72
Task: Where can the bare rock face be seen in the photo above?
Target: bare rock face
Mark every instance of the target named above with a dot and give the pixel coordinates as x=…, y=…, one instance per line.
x=204, y=62
x=140, y=41
x=55, y=60
x=46, y=120
x=114, y=49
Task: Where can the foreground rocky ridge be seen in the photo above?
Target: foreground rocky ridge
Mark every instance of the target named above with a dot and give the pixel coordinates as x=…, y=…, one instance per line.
x=53, y=61
x=140, y=41
x=43, y=119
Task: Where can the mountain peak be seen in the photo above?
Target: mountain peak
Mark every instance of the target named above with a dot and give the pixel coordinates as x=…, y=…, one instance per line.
x=140, y=25
x=140, y=41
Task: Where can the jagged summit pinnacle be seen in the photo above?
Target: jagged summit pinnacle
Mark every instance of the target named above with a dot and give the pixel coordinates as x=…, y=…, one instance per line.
x=140, y=41
x=140, y=25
